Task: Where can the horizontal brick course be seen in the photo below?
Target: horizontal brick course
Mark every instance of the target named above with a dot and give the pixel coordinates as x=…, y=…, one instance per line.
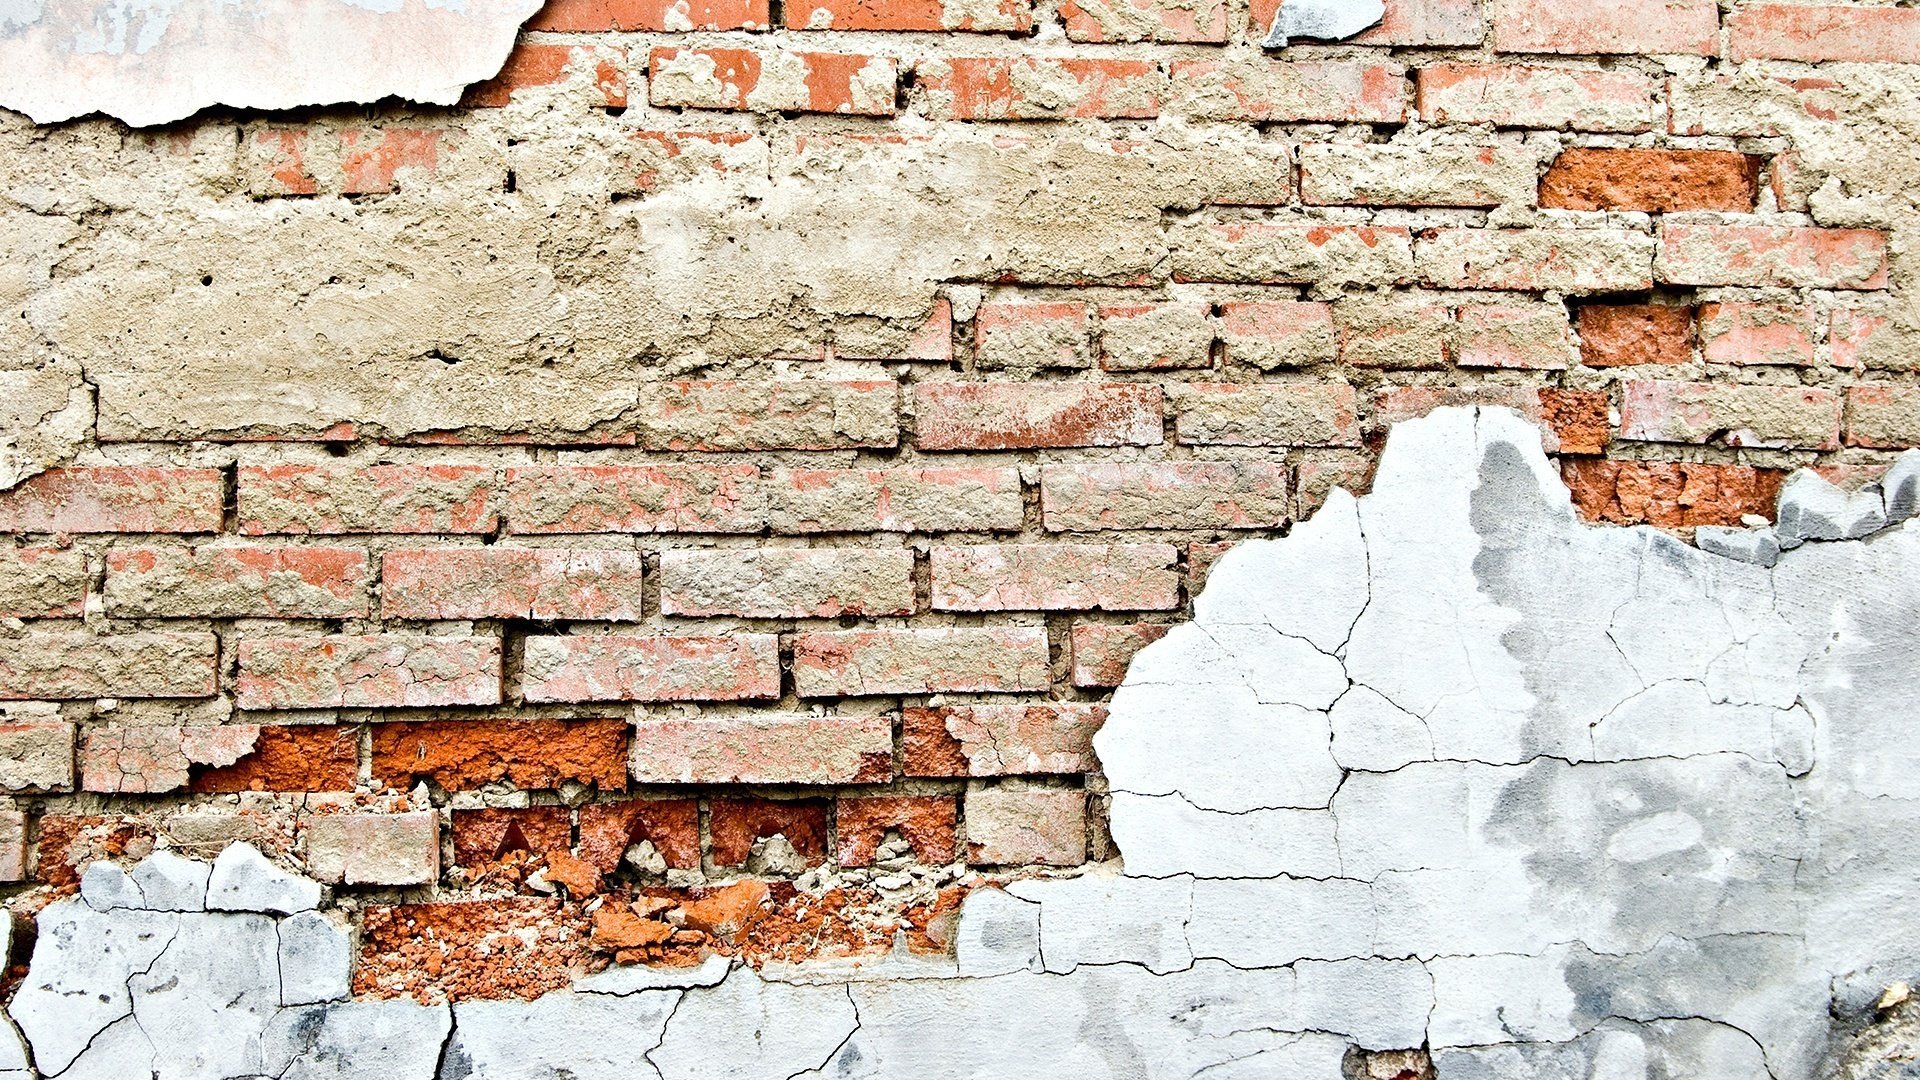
x=113, y=499
x=1655, y=181
x=510, y=583
x=230, y=582
x=764, y=748
x=1173, y=495
x=787, y=582
x=1537, y=337
x=1055, y=577
x=459, y=755
x=863, y=663
x=929, y=15
x=290, y=757
x=628, y=667
x=1018, y=416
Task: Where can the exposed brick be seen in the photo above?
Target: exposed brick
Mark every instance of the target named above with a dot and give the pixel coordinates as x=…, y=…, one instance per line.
x=1739, y=333
x=926, y=822
x=894, y=500
x=654, y=160
x=634, y=499
x=323, y=500
x=114, y=499
x=1534, y=260
x=1886, y=417
x=154, y=758
x=1575, y=421
x=72, y=665
x=590, y=16
x=672, y=826
x=1319, y=474
x=372, y=161
x=1617, y=335
x=1406, y=22
x=932, y=15
x=1168, y=495
x=1026, y=335
x=1578, y=419
x=281, y=155
x=1753, y=103
x=1317, y=413
x=861, y=663
x=1269, y=334
x=1347, y=174
x=787, y=582
x=1396, y=331
x=1619, y=26
x=764, y=748
x=786, y=414
x=1014, y=416
x=13, y=845
x=1300, y=90
x=619, y=667
x=1741, y=415
x=783, y=81
x=735, y=824
x=1538, y=337
x=927, y=749
x=1101, y=652
x=486, y=835
x=510, y=583
x=1038, y=87
x=1020, y=827
x=932, y=342
x=367, y=671
x=1669, y=494
x=290, y=757
x=1857, y=338
x=1155, y=337
x=1204, y=22
x=1286, y=254
x=534, y=64
x=237, y=582
x=1824, y=32
x=374, y=849
x=1650, y=180
x=1535, y=97
x=1056, y=577
x=458, y=755
x=1760, y=255
x=1005, y=740
x=36, y=756
x=42, y=582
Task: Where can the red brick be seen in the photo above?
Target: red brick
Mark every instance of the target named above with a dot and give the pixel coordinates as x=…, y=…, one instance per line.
x=926, y=822
x=291, y=757
x=1536, y=337
x=511, y=583
x=1164, y=495
x=672, y=826
x=73, y=665
x=1615, y=335
x=371, y=160
x=1264, y=90
x=1303, y=413
x=1574, y=421
x=1883, y=417
x=1101, y=652
x=114, y=499
x=791, y=583
x=1619, y=26
x=619, y=667
x=285, y=151
x=934, y=15
x=1056, y=577
x=1738, y=333
x=154, y=758
x=42, y=582
x=1018, y=827
x=927, y=748
x=1824, y=32
x=731, y=79
x=1535, y=97
x=1270, y=334
x=1739, y=414
x=894, y=500
x=563, y=499
x=484, y=836
x=1145, y=20
x=1037, y=87
x=369, y=671
x=1006, y=740
x=1857, y=338
x=68, y=843
x=764, y=748
x=1765, y=255
x=458, y=755
x=1579, y=420
x=238, y=582
x=1015, y=416
x=1407, y=22
x=862, y=663
x=734, y=825
x=1654, y=181
x=532, y=64
x=324, y=500
x=1025, y=334
x=1155, y=337
x=781, y=414
x=1669, y=494
x=655, y=16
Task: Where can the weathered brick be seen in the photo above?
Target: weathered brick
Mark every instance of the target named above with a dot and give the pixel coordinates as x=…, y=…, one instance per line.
x=114, y=499
x=1317, y=413
x=1857, y=338
x=1824, y=32
x=13, y=845
x=367, y=671
x=458, y=755
x=933, y=15
x=564, y=499
x=510, y=583
x=1886, y=417
x=932, y=342
x=1168, y=495
x=1155, y=337
x=672, y=826
x=1318, y=475
x=1026, y=826
x=1790, y=256
x=1289, y=254
x=1620, y=26
x=290, y=757
x=1669, y=494
x=1579, y=421
x=1270, y=334
x=894, y=500
x=154, y=758
x=926, y=747
x=1038, y=87
x=1023, y=335
x=1617, y=335
x=860, y=663
x=1203, y=22
x=622, y=667
x=591, y=16
x=1406, y=22
x=1532, y=336
x=237, y=582
x=1055, y=737
x=1102, y=651
x=1739, y=333
x=795, y=583
x=534, y=64
x=783, y=81
x=1394, y=331
x=1056, y=577
x=782, y=414
x=764, y=748
x=486, y=835
x=1751, y=102
x=926, y=822
x=1573, y=421
x=1300, y=90
x=1654, y=181
x=72, y=665
x=1742, y=415
x=735, y=824
x=1014, y=416
x=335, y=500
x=42, y=582
x=36, y=756
x=1369, y=174
x=374, y=849
x=1535, y=97
x=656, y=160
x=1533, y=260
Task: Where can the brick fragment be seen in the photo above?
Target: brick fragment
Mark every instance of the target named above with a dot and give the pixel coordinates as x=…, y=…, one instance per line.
x=894, y=500
x=42, y=582
x=926, y=822
x=655, y=16
x=1537, y=337
x=533, y=64
x=1014, y=416
x=1619, y=335
x=1669, y=494
x=1857, y=338
x=1618, y=27
x=792, y=583
x=783, y=81
x=374, y=849
x=72, y=665
x=1101, y=652
x=1146, y=20
x=1884, y=417
x=764, y=748
x=1578, y=419
x=531, y=754
x=238, y=582
x=1824, y=33
x=1740, y=333
x=487, y=835
x=634, y=499
x=324, y=500
x=1268, y=253
x=1317, y=413
x=1393, y=332
x=1155, y=337
x=368, y=671
x=1651, y=180
x=1301, y=90
x=510, y=583
x=154, y=758
x=734, y=825
x=619, y=667
x=1535, y=97
x=1024, y=827
x=1789, y=256
x=1023, y=335
x=1168, y=495
x=114, y=499
x=1740, y=415
x=1270, y=334
x=1319, y=475
x=36, y=756
x=1368, y=174
x=927, y=748
x=1038, y=88
x=1056, y=577
x=1006, y=740
x=860, y=663
x=290, y=757
x=1014, y=16
x=672, y=826
x=1536, y=260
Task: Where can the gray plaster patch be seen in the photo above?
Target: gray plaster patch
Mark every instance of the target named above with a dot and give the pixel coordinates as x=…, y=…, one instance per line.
x=1322, y=20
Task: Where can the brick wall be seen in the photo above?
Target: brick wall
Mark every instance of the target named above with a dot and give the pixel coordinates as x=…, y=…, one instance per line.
x=738, y=420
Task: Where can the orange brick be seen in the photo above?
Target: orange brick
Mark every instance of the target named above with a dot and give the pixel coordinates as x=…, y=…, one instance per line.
x=925, y=822
x=1655, y=181
x=734, y=825
x=291, y=757
x=1615, y=335
x=530, y=754
x=533, y=64
x=672, y=826
x=1668, y=494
